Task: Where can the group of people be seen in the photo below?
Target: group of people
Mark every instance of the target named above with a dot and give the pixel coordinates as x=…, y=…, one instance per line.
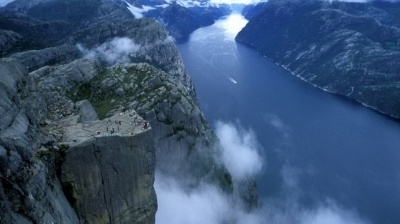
x=118, y=123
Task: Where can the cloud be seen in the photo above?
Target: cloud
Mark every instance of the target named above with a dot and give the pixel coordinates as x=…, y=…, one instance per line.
x=181, y=203
x=277, y=122
x=288, y=208
x=197, y=205
x=118, y=50
x=239, y=150
x=274, y=120
x=330, y=213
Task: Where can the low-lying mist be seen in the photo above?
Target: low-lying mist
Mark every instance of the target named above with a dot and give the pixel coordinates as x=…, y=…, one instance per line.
x=207, y=203
x=241, y=153
x=118, y=50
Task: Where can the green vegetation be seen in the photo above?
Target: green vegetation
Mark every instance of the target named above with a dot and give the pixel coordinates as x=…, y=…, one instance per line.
x=42, y=154
x=139, y=83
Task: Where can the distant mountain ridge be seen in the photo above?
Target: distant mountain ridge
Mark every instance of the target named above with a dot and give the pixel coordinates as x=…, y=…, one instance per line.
x=352, y=49
x=181, y=18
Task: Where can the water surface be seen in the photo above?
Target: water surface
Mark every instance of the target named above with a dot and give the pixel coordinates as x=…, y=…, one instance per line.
x=317, y=147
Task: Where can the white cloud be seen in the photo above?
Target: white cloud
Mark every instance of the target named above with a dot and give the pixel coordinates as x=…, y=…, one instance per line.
x=279, y=124
x=330, y=214
x=240, y=150
x=181, y=203
x=201, y=204
x=118, y=50
x=274, y=120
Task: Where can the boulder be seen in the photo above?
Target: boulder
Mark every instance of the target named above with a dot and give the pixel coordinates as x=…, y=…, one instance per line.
x=86, y=111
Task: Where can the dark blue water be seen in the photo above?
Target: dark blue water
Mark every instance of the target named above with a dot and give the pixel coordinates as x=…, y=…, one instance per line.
x=316, y=145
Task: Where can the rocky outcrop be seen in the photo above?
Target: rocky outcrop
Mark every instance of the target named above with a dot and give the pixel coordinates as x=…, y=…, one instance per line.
x=177, y=121
x=87, y=112
x=59, y=163
x=36, y=34
x=8, y=41
x=347, y=48
x=37, y=153
x=55, y=81
x=30, y=192
x=249, y=11
x=108, y=169
x=35, y=59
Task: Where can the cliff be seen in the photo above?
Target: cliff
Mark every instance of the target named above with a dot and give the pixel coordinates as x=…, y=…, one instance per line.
x=29, y=188
x=347, y=48
x=88, y=96
x=108, y=169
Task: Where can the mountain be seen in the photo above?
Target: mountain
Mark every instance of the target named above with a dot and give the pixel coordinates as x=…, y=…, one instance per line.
x=181, y=21
x=92, y=101
x=180, y=18
x=352, y=49
x=249, y=11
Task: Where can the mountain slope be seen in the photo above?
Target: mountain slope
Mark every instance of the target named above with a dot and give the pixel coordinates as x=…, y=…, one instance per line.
x=352, y=49
x=86, y=103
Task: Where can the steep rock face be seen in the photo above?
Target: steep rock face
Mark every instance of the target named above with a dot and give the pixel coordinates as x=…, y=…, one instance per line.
x=8, y=40
x=46, y=129
x=106, y=21
x=29, y=190
x=177, y=121
x=87, y=112
x=249, y=11
x=54, y=82
x=36, y=34
x=346, y=48
x=123, y=157
x=117, y=158
x=35, y=59
x=108, y=169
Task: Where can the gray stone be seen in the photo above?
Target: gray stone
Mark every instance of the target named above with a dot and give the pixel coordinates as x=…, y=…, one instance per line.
x=120, y=92
x=35, y=59
x=86, y=111
x=8, y=40
x=12, y=73
x=117, y=183
x=3, y=159
x=108, y=169
x=14, y=161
